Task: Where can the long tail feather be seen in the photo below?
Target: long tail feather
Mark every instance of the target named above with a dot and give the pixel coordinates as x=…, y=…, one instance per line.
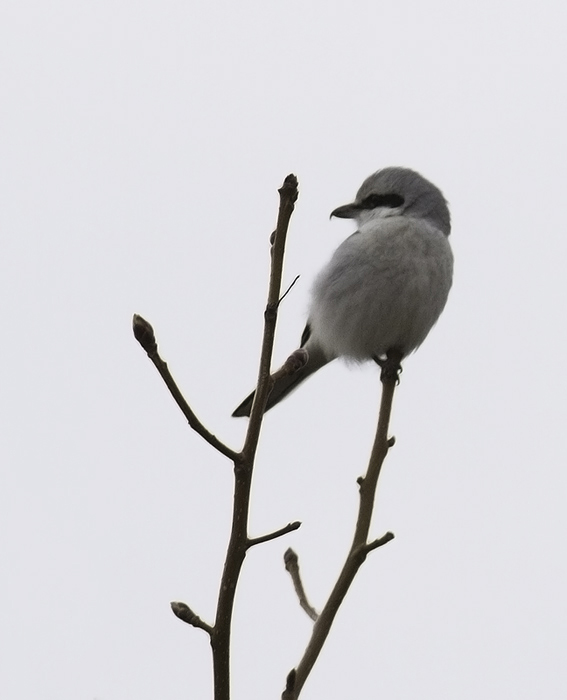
x=286, y=384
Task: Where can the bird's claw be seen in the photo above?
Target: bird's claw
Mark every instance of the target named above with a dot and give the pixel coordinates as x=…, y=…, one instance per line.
x=391, y=367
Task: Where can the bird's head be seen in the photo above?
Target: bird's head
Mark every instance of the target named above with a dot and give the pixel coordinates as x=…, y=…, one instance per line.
x=397, y=192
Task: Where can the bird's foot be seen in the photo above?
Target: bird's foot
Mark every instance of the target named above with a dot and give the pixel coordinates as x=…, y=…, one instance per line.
x=390, y=365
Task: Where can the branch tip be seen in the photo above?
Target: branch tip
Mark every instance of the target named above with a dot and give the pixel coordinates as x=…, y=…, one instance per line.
x=392, y=441
x=381, y=541
x=290, y=188
x=184, y=612
x=290, y=557
x=290, y=527
x=144, y=334
x=291, y=563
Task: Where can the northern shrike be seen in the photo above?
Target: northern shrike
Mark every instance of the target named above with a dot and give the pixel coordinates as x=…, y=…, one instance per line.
x=385, y=286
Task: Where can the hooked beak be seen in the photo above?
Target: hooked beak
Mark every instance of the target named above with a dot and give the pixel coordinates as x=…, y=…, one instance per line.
x=348, y=211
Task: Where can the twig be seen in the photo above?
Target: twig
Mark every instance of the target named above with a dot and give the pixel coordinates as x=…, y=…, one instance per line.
x=144, y=334
x=380, y=542
x=288, y=196
x=288, y=290
x=360, y=546
x=184, y=612
x=291, y=561
x=252, y=542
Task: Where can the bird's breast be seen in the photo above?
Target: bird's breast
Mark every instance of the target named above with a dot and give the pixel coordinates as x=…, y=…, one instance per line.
x=384, y=287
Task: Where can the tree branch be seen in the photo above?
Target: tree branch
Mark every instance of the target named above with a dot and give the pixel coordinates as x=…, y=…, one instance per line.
x=244, y=462
x=274, y=535
x=291, y=561
x=144, y=334
x=184, y=612
x=360, y=546
x=380, y=542
x=288, y=196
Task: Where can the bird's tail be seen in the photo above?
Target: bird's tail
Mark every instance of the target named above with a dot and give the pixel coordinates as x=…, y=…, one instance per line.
x=286, y=383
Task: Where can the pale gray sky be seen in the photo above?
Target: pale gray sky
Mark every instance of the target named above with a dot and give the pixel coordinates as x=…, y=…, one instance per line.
x=141, y=147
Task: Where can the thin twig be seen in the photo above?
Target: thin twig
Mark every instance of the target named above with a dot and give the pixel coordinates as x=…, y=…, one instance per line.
x=184, y=612
x=380, y=542
x=144, y=334
x=288, y=290
x=360, y=546
x=291, y=561
x=252, y=542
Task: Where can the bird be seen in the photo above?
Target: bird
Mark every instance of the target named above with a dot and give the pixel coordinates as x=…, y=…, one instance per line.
x=384, y=287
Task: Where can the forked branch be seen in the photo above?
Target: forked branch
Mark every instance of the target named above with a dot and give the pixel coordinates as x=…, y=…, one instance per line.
x=220, y=632
x=144, y=334
x=360, y=546
x=239, y=542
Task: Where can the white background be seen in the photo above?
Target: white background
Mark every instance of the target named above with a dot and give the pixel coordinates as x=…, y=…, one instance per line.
x=142, y=144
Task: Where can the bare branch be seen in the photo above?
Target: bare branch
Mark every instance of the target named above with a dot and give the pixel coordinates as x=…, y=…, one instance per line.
x=360, y=546
x=184, y=612
x=291, y=561
x=144, y=334
x=290, y=527
x=381, y=541
x=244, y=462
x=288, y=196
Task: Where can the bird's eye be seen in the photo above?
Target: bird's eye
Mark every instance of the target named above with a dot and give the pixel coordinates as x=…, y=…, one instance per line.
x=382, y=200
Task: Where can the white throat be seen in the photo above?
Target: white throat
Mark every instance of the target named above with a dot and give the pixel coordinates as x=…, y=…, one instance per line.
x=367, y=215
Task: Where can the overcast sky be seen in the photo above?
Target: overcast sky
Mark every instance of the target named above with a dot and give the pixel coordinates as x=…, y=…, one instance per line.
x=141, y=148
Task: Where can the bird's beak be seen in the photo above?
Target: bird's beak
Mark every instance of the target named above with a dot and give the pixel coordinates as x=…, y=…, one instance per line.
x=348, y=211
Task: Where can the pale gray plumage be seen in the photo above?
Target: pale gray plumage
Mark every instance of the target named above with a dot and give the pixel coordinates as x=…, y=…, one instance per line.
x=386, y=285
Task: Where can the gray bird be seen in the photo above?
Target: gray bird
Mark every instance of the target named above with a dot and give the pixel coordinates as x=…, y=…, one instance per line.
x=385, y=286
